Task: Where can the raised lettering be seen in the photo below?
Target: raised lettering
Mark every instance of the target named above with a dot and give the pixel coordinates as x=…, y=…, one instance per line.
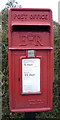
x=24, y=17
x=20, y=16
x=30, y=39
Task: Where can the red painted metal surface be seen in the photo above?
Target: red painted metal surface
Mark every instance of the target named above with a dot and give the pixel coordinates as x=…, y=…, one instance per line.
x=30, y=29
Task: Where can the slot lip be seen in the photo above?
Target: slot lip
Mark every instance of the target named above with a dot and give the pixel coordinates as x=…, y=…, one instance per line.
x=30, y=24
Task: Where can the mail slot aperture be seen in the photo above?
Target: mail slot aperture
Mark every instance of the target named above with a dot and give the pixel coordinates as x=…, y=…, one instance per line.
x=30, y=28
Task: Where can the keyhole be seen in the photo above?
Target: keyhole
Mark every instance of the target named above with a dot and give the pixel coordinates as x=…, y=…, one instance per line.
x=19, y=79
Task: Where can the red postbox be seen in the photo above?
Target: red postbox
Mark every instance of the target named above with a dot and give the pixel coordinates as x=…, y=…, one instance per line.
x=30, y=59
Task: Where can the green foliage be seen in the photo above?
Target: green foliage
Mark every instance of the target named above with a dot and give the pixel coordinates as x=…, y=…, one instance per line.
x=12, y=4
x=55, y=113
